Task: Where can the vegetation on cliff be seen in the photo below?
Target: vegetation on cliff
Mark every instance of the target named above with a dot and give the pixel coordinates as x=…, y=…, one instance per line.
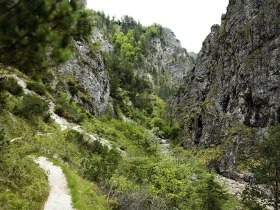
x=134, y=170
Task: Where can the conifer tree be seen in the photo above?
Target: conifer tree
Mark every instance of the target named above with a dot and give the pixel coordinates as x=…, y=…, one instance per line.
x=213, y=195
x=35, y=34
x=265, y=188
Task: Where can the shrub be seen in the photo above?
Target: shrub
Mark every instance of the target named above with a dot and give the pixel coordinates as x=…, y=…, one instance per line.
x=266, y=173
x=84, y=25
x=73, y=89
x=37, y=88
x=3, y=142
x=31, y=106
x=74, y=136
x=68, y=112
x=101, y=165
x=213, y=195
x=10, y=84
x=3, y=98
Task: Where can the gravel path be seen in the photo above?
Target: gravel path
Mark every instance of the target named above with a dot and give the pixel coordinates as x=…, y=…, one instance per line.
x=59, y=197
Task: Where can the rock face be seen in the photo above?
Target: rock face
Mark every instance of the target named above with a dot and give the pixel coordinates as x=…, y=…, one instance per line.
x=170, y=55
x=87, y=67
x=167, y=64
x=164, y=66
x=232, y=94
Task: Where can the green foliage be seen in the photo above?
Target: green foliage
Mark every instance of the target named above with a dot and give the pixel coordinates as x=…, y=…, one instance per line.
x=74, y=136
x=31, y=106
x=3, y=103
x=33, y=42
x=213, y=195
x=207, y=155
x=155, y=30
x=266, y=172
x=4, y=143
x=64, y=108
x=10, y=84
x=23, y=184
x=99, y=162
x=36, y=87
x=84, y=25
x=178, y=181
x=101, y=165
x=128, y=23
x=132, y=88
x=85, y=194
x=128, y=136
x=73, y=88
x=222, y=30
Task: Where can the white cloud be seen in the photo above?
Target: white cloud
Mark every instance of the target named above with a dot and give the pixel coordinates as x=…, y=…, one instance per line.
x=190, y=20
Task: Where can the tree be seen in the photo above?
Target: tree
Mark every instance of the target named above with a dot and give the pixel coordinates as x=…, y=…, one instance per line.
x=36, y=34
x=84, y=25
x=213, y=195
x=265, y=188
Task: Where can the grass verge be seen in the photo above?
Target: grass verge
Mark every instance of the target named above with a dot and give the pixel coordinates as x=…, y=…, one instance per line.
x=85, y=194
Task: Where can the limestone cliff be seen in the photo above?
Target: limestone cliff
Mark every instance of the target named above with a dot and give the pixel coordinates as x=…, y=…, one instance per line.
x=232, y=94
x=164, y=62
x=87, y=69
x=172, y=56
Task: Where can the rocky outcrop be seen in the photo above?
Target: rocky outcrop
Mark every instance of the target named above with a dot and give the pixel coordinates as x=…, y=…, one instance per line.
x=170, y=55
x=166, y=64
x=87, y=68
x=232, y=94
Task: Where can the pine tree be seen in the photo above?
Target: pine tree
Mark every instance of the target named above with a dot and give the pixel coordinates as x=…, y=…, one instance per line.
x=265, y=189
x=35, y=34
x=213, y=195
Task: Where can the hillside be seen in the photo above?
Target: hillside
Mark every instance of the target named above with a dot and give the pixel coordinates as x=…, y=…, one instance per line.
x=123, y=117
x=122, y=60
x=100, y=117
x=231, y=97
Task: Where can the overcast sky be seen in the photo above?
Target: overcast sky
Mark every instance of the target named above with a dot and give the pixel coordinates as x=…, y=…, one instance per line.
x=190, y=20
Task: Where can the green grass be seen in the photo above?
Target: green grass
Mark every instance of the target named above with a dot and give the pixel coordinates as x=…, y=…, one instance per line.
x=129, y=136
x=143, y=170
x=23, y=184
x=85, y=194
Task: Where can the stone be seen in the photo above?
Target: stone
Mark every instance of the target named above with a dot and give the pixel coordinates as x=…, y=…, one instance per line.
x=89, y=71
x=232, y=94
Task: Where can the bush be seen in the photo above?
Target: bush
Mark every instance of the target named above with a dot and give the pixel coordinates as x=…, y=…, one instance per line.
x=3, y=142
x=84, y=25
x=3, y=102
x=68, y=112
x=74, y=136
x=73, y=89
x=10, y=84
x=31, y=106
x=101, y=165
x=37, y=88
x=266, y=173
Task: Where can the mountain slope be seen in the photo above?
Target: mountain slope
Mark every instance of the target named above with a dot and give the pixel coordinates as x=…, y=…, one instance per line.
x=120, y=60
x=232, y=94
x=102, y=117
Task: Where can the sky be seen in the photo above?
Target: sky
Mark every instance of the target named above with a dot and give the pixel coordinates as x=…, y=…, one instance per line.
x=190, y=20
